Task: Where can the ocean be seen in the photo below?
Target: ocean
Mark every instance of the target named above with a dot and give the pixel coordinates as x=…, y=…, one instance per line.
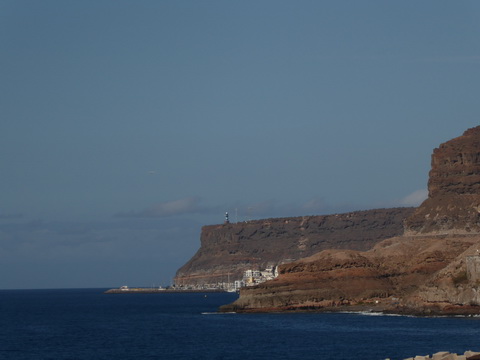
x=87, y=324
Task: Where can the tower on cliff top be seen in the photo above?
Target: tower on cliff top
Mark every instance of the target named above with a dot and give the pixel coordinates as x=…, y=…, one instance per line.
x=227, y=221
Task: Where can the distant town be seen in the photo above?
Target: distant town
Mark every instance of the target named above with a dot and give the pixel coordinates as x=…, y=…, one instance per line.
x=250, y=278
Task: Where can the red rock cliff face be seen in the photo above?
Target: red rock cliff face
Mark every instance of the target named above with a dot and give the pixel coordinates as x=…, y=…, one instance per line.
x=453, y=204
x=228, y=250
x=397, y=274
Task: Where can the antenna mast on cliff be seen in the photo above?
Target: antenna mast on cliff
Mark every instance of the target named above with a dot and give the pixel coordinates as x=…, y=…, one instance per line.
x=249, y=214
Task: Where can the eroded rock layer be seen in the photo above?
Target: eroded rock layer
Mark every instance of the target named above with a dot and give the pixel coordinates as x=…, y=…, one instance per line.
x=453, y=204
x=399, y=275
x=228, y=250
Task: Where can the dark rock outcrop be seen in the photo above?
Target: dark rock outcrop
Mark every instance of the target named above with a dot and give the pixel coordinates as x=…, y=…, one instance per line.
x=228, y=250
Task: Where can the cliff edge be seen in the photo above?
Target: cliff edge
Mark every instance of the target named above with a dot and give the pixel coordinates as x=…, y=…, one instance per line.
x=453, y=204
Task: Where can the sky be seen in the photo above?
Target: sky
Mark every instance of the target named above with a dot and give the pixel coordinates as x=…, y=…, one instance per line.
x=125, y=126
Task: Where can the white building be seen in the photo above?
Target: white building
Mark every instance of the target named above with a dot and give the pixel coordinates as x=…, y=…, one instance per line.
x=254, y=277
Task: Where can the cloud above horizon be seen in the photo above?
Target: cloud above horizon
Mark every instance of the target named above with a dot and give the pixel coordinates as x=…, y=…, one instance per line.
x=261, y=209
x=415, y=198
x=46, y=254
x=189, y=205
x=10, y=216
x=473, y=59
x=274, y=209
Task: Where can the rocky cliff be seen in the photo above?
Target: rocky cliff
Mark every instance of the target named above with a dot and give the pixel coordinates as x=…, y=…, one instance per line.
x=228, y=250
x=453, y=204
x=432, y=268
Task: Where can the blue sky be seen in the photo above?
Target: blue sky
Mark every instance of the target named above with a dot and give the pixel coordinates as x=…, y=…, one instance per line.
x=126, y=126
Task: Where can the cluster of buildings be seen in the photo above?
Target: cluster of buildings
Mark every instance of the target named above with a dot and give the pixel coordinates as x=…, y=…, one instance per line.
x=255, y=277
x=250, y=278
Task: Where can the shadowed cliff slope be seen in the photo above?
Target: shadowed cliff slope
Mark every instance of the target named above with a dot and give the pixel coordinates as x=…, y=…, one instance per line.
x=228, y=250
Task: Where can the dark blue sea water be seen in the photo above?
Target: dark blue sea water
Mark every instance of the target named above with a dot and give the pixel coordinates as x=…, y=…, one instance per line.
x=87, y=324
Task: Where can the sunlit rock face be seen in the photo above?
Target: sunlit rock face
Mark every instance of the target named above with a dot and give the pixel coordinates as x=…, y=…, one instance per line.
x=453, y=204
x=401, y=275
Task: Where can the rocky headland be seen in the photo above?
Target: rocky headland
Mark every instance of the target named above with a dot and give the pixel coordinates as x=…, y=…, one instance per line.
x=227, y=250
x=432, y=268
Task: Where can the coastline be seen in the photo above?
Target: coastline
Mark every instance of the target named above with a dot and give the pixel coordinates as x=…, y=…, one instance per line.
x=427, y=311
x=160, y=291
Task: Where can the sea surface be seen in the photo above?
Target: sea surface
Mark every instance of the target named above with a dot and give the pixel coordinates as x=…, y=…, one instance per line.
x=87, y=324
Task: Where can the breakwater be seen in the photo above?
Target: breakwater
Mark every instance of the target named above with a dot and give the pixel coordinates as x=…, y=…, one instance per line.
x=160, y=291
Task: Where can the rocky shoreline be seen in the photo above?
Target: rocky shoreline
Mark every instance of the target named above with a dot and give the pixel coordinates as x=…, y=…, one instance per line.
x=445, y=355
x=428, y=311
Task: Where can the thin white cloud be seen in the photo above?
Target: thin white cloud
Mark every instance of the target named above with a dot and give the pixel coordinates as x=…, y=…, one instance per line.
x=164, y=209
x=314, y=206
x=10, y=216
x=275, y=209
x=415, y=198
x=474, y=59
